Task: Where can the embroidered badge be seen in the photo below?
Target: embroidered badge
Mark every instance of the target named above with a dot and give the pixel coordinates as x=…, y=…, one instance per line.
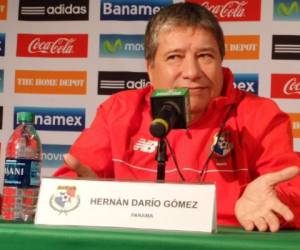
x=222, y=146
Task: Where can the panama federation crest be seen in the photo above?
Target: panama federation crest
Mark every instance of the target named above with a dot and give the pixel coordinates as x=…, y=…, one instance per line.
x=222, y=144
x=64, y=199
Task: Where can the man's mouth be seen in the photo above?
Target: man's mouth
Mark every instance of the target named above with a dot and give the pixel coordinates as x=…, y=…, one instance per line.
x=198, y=90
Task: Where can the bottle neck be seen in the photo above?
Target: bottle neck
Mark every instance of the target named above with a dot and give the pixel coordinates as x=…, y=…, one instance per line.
x=25, y=123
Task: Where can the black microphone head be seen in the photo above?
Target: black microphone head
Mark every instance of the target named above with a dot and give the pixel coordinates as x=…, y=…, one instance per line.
x=170, y=110
x=159, y=128
x=166, y=119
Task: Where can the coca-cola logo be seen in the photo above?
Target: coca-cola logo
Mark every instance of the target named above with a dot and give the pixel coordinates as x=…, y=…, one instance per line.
x=59, y=46
x=291, y=87
x=230, y=9
x=52, y=45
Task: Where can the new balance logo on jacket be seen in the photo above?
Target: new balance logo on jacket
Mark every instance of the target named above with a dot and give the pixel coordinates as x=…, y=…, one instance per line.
x=147, y=146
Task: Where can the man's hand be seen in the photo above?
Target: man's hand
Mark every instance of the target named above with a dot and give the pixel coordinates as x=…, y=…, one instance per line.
x=78, y=167
x=259, y=205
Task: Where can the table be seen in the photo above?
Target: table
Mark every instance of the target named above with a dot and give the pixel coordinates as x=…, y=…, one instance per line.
x=17, y=236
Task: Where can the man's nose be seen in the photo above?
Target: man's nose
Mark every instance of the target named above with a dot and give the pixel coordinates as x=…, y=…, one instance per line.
x=191, y=68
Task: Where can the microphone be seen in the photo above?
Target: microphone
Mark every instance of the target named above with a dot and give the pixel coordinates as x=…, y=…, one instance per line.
x=170, y=110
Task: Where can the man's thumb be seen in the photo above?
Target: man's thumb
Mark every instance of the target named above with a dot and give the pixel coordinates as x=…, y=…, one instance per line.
x=283, y=175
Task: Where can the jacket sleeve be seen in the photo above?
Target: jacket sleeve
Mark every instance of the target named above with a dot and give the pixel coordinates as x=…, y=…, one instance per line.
x=274, y=151
x=93, y=146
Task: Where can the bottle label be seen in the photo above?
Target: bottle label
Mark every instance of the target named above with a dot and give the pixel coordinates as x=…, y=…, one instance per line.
x=22, y=173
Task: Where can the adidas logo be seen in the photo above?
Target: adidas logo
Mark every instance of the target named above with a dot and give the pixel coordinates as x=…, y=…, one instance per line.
x=147, y=146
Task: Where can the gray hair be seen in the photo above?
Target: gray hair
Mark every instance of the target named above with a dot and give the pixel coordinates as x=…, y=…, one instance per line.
x=181, y=15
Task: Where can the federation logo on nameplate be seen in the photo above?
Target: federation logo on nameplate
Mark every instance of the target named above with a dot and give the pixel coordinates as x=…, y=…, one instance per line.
x=141, y=205
x=64, y=199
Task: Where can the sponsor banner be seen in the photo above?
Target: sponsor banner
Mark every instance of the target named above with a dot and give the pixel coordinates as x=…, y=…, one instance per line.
x=2, y=44
x=286, y=47
x=286, y=10
x=295, y=120
x=285, y=86
x=3, y=9
x=110, y=82
x=247, y=82
x=232, y=10
x=1, y=80
x=1, y=116
x=53, y=155
x=53, y=10
x=51, y=82
x=242, y=47
x=130, y=10
x=52, y=45
x=121, y=46
x=55, y=119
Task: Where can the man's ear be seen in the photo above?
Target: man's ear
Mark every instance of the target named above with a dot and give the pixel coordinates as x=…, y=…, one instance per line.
x=149, y=66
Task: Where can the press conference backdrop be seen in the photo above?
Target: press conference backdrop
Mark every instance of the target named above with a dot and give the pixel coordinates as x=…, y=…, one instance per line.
x=62, y=58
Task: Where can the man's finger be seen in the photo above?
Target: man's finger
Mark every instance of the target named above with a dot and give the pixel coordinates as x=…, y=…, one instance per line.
x=283, y=210
x=78, y=167
x=281, y=176
x=273, y=221
x=261, y=224
x=247, y=224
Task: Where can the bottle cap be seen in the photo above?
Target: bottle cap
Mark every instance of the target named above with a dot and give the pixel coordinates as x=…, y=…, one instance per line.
x=25, y=116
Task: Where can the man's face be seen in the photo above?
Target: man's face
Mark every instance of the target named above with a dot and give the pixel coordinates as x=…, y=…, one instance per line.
x=188, y=57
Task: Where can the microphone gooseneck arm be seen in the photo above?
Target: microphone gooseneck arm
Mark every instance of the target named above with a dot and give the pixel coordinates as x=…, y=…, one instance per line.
x=159, y=128
x=161, y=158
x=170, y=110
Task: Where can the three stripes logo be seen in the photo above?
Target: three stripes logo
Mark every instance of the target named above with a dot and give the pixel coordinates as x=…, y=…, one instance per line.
x=53, y=10
x=32, y=10
x=112, y=82
x=286, y=47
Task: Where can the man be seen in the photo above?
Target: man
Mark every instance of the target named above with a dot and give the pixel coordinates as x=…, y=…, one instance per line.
x=235, y=139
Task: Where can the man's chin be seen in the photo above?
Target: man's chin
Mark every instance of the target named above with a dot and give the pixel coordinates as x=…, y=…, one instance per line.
x=196, y=107
x=196, y=114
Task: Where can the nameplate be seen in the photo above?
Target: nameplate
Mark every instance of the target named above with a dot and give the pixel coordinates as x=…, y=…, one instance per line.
x=163, y=206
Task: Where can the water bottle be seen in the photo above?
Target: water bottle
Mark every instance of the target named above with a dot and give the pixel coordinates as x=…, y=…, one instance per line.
x=22, y=171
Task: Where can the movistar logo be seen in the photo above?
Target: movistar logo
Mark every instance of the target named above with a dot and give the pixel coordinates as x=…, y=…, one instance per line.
x=120, y=45
x=53, y=156
x=287, y=10
x=113, y=47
